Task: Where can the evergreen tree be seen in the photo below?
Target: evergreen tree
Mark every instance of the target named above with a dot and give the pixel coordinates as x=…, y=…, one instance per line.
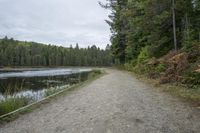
x=18, y=53
x=158, y=25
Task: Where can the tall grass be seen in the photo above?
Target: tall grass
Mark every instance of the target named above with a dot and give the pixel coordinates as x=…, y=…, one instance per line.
x=11, y=104
x=53, y=90
x=94, y=73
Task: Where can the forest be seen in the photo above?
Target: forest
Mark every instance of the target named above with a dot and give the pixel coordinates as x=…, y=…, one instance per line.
x=159, y=38
x=22, y=53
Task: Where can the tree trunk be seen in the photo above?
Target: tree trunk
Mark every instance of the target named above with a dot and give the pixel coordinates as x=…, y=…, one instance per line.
x=174, y=24
x=187, y=27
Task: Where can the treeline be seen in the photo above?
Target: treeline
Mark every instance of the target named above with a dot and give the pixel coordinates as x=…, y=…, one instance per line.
x=19, y=53
x=141, y=27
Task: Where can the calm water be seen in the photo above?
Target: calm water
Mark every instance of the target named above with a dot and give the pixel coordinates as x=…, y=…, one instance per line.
x=34, y=83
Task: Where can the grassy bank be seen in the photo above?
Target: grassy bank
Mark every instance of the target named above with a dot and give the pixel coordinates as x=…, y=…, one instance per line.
x=11, y=104
x=186, y=93
x=180, y=90
x=20, y=105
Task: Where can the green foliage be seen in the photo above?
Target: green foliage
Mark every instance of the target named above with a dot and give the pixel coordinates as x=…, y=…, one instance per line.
x=136, y=24
x=143, y=56
x=17, y=53
x=52, y=90
x=160, y=68
x=141, y=69
x=128, y=66
x=11, y=104
x=191, y=78
x=94, y=73
x=143, y=29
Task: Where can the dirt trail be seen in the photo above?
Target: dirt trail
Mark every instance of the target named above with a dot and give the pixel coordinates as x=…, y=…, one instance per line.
x=114, y=103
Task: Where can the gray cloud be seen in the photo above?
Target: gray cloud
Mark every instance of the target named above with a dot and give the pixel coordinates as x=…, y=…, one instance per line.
x=61, y=22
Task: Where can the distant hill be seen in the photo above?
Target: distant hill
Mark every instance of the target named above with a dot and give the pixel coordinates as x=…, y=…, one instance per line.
x=22, y=53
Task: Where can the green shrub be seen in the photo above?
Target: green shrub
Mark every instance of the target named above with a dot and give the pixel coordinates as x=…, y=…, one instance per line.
x=160, y=68
x=191, y=78
x=51, y=91
x=128, y=66
x=143, y=56
x=96, y=71
x=140, y=66
x=141, y=69
x=12, y=104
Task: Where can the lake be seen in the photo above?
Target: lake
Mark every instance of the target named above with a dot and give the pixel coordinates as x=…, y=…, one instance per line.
x=34, y=83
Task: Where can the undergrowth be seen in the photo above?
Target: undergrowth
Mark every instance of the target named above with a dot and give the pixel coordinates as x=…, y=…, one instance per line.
x=11, y=104
x=181, y=68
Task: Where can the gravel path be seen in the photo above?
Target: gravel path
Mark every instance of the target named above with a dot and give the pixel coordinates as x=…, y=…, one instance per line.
x=114, y=103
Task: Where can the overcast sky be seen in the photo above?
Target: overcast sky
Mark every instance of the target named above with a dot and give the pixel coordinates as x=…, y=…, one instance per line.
x=61, y=22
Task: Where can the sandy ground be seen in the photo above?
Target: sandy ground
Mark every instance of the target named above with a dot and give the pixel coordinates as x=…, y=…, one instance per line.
x=114, y=103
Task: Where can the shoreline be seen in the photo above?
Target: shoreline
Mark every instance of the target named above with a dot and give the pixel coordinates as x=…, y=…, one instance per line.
x=29, y=108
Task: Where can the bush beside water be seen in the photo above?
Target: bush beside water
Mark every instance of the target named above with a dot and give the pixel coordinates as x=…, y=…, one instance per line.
x=11, y=104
